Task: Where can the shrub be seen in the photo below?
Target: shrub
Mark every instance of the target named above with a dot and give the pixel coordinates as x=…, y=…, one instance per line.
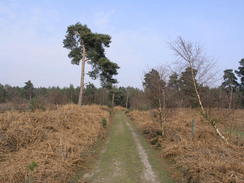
x=104, y=122
x=35, y=104
x=32, y=166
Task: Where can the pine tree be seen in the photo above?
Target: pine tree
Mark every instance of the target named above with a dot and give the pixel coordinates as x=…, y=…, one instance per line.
x=29, y=90
x=88, y=47
x=240, y=72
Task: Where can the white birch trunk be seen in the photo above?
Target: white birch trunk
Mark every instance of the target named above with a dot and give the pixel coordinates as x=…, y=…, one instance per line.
x=205, y=115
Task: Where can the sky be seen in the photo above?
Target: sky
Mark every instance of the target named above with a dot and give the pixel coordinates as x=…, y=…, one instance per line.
x=31, y=35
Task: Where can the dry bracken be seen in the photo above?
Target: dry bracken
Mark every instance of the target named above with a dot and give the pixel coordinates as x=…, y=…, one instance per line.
x=53, y=139
x=204, y=158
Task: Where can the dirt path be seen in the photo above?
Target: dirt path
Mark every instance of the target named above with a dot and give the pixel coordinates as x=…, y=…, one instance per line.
x=125, y=158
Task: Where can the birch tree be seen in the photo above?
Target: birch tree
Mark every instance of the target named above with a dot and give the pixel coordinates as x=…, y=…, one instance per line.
x=192, y=55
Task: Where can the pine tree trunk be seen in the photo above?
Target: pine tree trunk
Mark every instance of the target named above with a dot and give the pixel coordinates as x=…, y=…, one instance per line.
x=113, y=100
x=30, y=96
x=127, y=99
x=82, y=80
x=231, y=98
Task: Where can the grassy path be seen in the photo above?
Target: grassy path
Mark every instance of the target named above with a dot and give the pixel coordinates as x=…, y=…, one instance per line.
x=126, y=158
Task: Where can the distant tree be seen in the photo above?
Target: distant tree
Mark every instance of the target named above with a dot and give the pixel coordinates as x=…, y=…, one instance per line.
x=41, y=91
x=187, y=87
x=175, y=94
x=174, y=82
x=3, y=94
x=230, y=84
x=127, y=98
x=136, y=99
x=155, y=88
x=230, y=80
x=71, y=93
x=57, y=96
x=86, y=46
x=29, y=90
x=240, y=73
x=102, y=96
x=90, y=92
x=120, y=97
x=14, y=94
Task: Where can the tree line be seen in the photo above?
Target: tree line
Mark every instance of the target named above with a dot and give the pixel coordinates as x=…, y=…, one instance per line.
x=172, y=88
x=43, y=96
x=179, y=88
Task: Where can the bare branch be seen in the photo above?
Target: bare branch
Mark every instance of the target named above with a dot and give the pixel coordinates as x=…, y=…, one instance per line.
x=195, y=59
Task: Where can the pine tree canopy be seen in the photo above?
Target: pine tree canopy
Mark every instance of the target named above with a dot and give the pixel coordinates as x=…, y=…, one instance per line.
x=79, y=36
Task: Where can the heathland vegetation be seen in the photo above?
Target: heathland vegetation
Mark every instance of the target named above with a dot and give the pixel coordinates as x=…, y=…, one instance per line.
x=51, y=145
x=178, y=84
x=191, y=117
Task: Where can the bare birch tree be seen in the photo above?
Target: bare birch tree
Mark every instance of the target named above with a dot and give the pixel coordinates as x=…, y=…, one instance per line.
x=192, y=55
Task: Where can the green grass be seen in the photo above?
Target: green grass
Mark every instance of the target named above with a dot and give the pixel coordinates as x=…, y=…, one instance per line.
x=120, y=154
x=119, y=161
x=159, y=165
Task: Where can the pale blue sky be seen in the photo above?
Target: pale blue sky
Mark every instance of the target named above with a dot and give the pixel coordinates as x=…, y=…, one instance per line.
x=31, y=34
